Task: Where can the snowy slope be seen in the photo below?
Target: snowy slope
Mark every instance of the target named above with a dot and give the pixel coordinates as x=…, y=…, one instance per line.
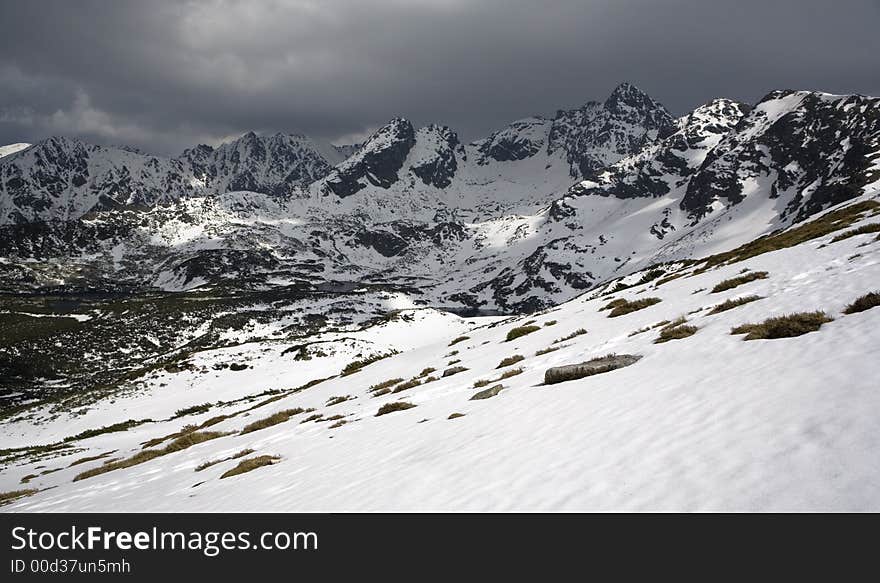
x=707, y=422
x=12, y=149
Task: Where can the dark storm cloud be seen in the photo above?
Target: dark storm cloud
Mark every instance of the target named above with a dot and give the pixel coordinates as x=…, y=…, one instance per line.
x=164, y=75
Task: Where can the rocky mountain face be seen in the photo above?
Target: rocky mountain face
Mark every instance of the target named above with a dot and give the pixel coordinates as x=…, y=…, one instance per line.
x=812, y=150
x=588, y=138
x=377, y=162
x=525, y=218
x=667, y=164
x=597, y=135
x=276, y=165
x=808, y=150
x=62, y=179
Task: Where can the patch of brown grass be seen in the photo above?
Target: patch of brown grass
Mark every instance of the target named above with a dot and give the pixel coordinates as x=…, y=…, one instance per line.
x=575, y=334
x=510, y=360
x=863, y=230
x=250, y=465
x=337, y=400
x=734, y=303
x=91, y=458
x=520, y=331
x=357, y=365
x=509, y=373
x=274, y=419
x=738, y=281
x=208, y=464
x=628, y=307
x=384, y=385
x=547, y=350
x=392, y=407
x=675, y=331
x=866, y=302
x=407, y=385
x=10, y=497
x=787, y=326
x=825, y=225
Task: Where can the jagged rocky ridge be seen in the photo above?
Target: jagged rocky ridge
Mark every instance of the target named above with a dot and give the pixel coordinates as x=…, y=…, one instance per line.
x=61, y=179
x=525, y=218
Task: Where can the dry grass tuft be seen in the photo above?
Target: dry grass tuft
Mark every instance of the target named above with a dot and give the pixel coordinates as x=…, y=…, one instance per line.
x=787, y=326
x=274, y=419
x=510, y=360
x=9, y=497
x=384, y=385
x=357, y=365
x=575, y=334
x=337, y=400
x=866, y=302
x=406, y=385
x=509, y=373
x=627, y=307
x=734, y=303
x=547, y=350
x=251, y=464
x=392, y=407
x=521, y=331
x=675, y=331
x=208, y=464
x=863, y=230
x=738, y=281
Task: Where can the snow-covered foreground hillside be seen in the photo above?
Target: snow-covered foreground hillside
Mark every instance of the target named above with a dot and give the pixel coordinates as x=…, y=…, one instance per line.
x=708, y=421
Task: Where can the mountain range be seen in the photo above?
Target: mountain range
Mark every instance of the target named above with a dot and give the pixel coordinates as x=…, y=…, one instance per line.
x=528, y=217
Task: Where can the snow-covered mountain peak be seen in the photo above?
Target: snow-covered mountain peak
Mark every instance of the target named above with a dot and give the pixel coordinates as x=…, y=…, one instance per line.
x=599, y=134
x=62, y=178
x=810, y=150
x=277, y=164
x=434, y=159
x=376, y=163
x=519, y=140
x=716, y=115
x=629, y=101
x=665, y=166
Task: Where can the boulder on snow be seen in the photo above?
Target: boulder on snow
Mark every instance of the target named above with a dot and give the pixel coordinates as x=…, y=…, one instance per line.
x=570, y=372
x=490, y=392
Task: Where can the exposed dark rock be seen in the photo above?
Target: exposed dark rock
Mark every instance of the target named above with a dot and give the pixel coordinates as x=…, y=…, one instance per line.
x=487, y=393
x=385, y=243
x=569, y=372
x=377, y=162
x=439, y=169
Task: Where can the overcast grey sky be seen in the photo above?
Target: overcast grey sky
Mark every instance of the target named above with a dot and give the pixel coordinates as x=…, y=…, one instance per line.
x=163, y=75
